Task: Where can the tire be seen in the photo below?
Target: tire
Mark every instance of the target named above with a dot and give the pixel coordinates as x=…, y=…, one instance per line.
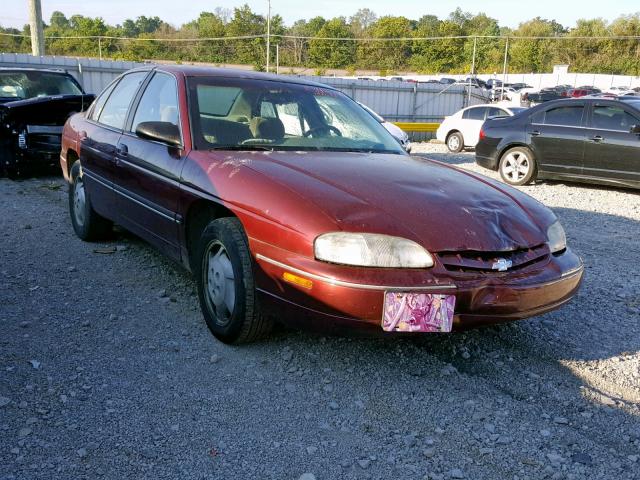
x=87, y=224
x=226, y=286
x=455, y=142
x=518, y=166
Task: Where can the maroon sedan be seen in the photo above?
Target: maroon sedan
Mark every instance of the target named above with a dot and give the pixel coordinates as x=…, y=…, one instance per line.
x=286, y=199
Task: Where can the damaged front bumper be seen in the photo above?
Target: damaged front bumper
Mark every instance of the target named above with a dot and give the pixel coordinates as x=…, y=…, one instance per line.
x=332, y=295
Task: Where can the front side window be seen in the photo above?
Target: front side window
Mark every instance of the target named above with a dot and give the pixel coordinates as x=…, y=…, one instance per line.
x=29, y=84
x=247, y=114
x=159, y=102
x=564, y=116
x=114, y=111
x=613, y=118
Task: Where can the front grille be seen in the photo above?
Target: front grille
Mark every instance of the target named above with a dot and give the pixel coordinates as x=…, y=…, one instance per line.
x=490, y=262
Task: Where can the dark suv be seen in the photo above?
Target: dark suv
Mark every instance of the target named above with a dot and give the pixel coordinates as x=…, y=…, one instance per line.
x=34, y=104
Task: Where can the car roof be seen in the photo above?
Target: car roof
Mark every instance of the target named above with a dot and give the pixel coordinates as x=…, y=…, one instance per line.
x=203, y=71
x=45, y=70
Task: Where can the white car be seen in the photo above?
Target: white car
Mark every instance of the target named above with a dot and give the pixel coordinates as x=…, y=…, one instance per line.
x=462, y=129
x=394, y=130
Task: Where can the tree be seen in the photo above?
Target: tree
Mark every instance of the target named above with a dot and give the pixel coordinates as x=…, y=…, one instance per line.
x=534, y=55
x=386, y=54
x=361, y=21
x=333, y=53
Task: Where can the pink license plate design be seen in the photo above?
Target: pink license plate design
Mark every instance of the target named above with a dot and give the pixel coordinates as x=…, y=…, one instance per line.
x=418, y=312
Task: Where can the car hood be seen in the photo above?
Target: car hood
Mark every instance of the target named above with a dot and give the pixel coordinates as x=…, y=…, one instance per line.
x=50, y=110
x=438, y=206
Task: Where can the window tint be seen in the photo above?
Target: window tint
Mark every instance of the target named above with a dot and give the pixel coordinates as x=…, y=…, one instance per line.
x=100, y=101
x=612, y=118
x=475, y=113
x=115, y=109
x=216, y=100
x=159, y=102
x=565, y=116
x=496, y=112
x=538, y=118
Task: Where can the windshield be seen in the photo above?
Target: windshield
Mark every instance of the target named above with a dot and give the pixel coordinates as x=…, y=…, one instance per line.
x=21, y=85
x=245, y=114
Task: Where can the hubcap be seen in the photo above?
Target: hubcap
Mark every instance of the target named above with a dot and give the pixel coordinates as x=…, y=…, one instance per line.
x=220, y=281
x=454, y=142
x=79, y=200
x=516, y=166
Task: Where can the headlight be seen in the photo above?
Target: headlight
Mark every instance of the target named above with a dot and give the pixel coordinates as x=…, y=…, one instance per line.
x=557, y=238
x=371, y=250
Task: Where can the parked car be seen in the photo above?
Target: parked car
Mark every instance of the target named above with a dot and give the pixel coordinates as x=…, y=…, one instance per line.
x=447, y=81
x=399, y=134
x=34, y=104
x=536, y=98
x=582, y=91
x=494, y=82
x=326, y=223
x=519, y=86
x=585, y=140
x=462, y=129
x=503, y=93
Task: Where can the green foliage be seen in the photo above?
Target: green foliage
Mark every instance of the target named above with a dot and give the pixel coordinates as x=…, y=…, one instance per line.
x=363, y=42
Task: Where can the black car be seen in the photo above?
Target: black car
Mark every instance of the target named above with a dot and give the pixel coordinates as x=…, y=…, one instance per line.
x=34, y=104
x=586, y=140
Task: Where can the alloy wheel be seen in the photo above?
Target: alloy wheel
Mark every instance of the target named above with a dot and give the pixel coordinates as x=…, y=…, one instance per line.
x=516, y=166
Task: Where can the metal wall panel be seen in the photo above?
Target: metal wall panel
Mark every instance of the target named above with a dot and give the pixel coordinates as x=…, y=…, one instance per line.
x=394, y=100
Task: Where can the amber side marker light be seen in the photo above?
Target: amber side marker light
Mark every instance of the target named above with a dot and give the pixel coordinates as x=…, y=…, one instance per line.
x=296, y=280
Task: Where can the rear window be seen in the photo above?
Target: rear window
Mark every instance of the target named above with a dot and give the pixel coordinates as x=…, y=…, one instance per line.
x=216, y=100
x=497, y=112
x=474, y=113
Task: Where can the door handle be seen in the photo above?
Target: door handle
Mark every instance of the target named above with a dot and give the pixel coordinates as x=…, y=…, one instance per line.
x=535, y=133
x=597, y=138
x=122, y=150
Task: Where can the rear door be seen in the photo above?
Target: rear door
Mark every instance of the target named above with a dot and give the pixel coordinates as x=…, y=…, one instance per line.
x=613, y=152
x=556, y=136
x=99, y=139
x=148, y=172
x=471, y=123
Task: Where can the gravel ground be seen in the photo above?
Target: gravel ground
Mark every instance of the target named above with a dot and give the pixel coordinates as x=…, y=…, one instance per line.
x=108, y=371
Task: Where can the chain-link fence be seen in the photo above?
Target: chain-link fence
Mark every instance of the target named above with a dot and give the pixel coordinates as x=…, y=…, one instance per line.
x=452, y=55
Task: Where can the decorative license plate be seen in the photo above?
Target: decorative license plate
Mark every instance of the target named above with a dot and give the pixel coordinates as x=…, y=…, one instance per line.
x=417, y=312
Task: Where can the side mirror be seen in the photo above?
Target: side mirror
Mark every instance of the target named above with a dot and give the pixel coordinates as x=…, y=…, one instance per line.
x=165, y=132
x=635, y=129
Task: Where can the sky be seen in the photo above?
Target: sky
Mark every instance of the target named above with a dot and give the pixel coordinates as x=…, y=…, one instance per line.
x=176, y=12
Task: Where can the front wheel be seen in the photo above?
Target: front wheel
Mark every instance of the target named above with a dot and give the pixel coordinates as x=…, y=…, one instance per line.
x=226, y=287
x=87, y=224
x=455, y=142
x=518, y=166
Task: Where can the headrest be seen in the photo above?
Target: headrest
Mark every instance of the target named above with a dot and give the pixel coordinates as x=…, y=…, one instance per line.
x=267, y=127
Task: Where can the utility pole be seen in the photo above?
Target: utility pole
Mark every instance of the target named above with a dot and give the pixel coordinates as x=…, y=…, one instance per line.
x=268, y=33
x=504, y=69
x=277, y=58
x=37, y=33
x=473, y=67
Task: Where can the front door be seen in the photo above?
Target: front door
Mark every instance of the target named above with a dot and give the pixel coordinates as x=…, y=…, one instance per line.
x=148, y=172
x=613, y=152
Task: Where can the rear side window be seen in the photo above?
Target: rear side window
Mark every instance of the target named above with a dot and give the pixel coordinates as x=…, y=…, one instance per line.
x=475, y=113
x=115, y=109
x=570, y=116
x=612, y=118
x=100, y=101
x=496, y=112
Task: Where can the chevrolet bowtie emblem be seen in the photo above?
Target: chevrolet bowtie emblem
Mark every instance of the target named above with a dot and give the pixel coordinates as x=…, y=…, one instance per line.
x=502, y=265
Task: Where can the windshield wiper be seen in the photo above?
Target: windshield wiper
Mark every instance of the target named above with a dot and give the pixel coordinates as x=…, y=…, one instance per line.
x=258, y=148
